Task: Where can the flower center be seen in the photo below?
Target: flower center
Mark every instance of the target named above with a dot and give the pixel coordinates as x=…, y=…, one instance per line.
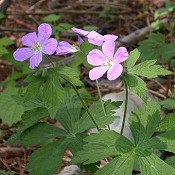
x=109, y=61
x=36, y=47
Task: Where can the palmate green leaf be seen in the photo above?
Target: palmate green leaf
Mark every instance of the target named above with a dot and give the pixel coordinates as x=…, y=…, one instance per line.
x=165, y=141
x=122, y=165
x=33, y=88
x=152, y=165
x=168, y=123
x=148, y=69
x=170, y=161
x=97, y=112
x=70, y=75
x=168, y=103
x=47, y=159
x=11, y=111
x=29, y=118
x=144, y=121
x=40, y=133
x=168, y=52
x=69, y=113
x=136, y=85
x=101, y=145
x=53, y=92
x=151, y=47
x=133, y=57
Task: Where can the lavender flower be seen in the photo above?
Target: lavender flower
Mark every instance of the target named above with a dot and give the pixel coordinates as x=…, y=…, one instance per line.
x=94, y=37
x=36, y=45
x=107, y=61
x=66, y=48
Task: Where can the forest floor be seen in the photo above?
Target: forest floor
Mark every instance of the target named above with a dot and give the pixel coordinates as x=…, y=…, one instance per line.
x=120, y=17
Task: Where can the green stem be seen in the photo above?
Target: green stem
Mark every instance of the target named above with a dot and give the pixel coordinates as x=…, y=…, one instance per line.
x=126, y=106
x=50, y=60
x=86, y=108
x=98, y=89
x=102, y=104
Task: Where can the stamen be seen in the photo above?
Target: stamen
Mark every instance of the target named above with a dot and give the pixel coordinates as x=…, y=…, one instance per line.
x=36, y=47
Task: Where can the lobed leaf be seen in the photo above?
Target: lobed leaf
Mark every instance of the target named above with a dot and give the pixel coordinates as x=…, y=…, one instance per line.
x=149, y=70
x=136, y=85
x=122, y=165
x=152, y=165
x=47, y=159
x=11, y=111
x=53, y=92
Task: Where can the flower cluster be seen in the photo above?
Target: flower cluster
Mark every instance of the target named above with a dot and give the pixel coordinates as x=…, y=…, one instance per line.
x=106, y=60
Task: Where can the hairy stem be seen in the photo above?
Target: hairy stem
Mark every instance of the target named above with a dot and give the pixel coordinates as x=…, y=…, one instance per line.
x=50, y=60
x=98, y=89
x=86, y=108
x=126, y=106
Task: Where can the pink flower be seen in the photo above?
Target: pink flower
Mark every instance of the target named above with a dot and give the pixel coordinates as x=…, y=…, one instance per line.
x=94, y=37
x=107, y=61
x=37, y=44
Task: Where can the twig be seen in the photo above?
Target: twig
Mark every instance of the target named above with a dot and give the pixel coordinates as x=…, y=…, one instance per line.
x=32, y=8
x=157, y=93
x=14, y=29
x=67, y=11
x=136, y=36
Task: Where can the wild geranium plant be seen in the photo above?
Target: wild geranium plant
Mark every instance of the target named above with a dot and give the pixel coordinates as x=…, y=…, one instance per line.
x=56, y=92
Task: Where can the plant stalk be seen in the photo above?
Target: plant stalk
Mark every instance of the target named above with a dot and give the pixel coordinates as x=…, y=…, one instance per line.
x=126, y=106
x=86, y=108
x=98, y=89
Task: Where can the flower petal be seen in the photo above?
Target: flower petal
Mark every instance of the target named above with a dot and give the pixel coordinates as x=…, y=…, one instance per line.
x=44, y=32
x=95, y=38
x=80, y=31
x=28, y=39
x=110, y=37
x=114, y=71
x=108, y=48
x=22, y=54
x=35, y=60
x=65, y=48
x=80, y=40
x=121, y=55
x=97, y=72
x=96, y=58
x=49, y=46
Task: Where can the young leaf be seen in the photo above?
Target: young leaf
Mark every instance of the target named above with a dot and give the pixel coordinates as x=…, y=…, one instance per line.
x=136, y=85
x=122, y=165
x=101, y=145
x=40, y=133
x=133, y=57
x=47, y=159
x=70, y=75
x=148, y=69
x=51, y=18
x=152, y=165
x=53, y=92
x=6, y=41
x=11, y=111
